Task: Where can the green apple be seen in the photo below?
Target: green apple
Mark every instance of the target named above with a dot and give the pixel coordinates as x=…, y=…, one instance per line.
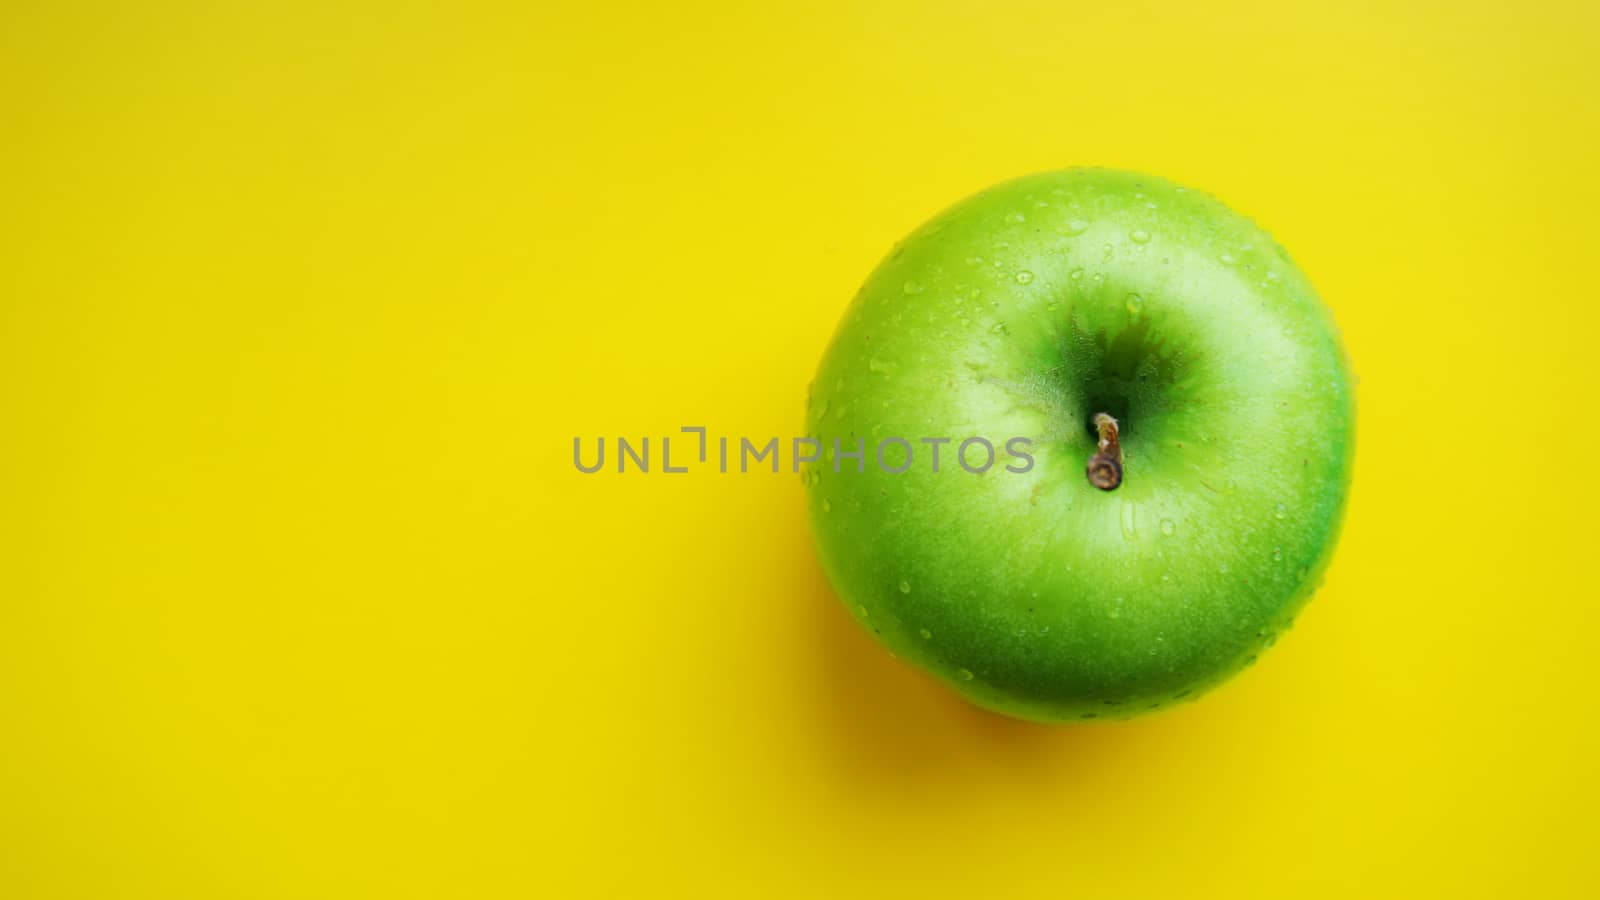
x=1171, y=422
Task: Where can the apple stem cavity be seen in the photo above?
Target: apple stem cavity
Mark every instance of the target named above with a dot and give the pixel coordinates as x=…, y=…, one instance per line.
x=1105, y=466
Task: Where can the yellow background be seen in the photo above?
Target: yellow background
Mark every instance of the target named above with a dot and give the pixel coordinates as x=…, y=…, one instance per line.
x=302, y=305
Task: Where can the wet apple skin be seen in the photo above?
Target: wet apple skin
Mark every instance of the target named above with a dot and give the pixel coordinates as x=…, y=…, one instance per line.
x=1020, y=313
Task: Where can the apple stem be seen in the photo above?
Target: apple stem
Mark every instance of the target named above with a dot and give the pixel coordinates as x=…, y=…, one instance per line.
x=1105, y=466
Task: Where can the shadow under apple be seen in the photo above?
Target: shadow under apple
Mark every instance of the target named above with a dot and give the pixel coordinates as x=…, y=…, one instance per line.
x=889, y=727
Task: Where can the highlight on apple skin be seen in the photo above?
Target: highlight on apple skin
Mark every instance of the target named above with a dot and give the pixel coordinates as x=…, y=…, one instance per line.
x=1077, y=321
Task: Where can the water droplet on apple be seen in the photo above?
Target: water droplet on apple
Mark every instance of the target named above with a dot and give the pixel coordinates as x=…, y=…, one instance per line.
x=877, y=365
x=1075, y=227
x=1280, y=512
x=905, y=587
x=1135, y=304
x=1277, y=554
x=1076, y=274
x=1024, y=277
x=1168, y=527
x=1129, y=520
x=925, y=634
x=1223, y=568
x=826, y=506
x=964, y=674
x=912, y=287
x=1140, y=236
x=999, y=328
x=1227, y=259
x=1017, y=217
